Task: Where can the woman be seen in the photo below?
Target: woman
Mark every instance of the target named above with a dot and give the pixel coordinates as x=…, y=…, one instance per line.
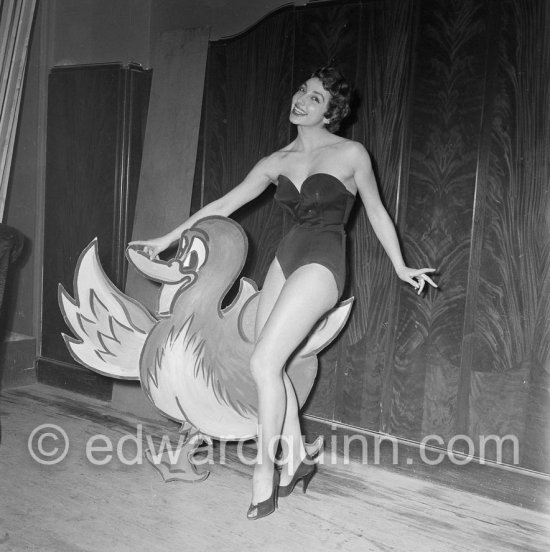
x=318, y=176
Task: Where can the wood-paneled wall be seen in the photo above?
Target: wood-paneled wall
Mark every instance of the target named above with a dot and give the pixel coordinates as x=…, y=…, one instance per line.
x=453, y=107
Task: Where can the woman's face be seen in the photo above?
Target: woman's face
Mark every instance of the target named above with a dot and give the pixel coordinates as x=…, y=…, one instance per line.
x=309, y=104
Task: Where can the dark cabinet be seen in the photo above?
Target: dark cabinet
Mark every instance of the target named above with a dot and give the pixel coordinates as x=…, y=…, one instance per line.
x=96, y=126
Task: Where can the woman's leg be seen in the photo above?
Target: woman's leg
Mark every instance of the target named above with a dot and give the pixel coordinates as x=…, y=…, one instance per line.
x=295, y=308
x=292, y=441
x=273, y=284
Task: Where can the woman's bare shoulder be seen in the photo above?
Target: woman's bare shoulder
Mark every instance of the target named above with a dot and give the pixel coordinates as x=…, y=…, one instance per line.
x=352, y=147
x=356, y=154
x=273, y=164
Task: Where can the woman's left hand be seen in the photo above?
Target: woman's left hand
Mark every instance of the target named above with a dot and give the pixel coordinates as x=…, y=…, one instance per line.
x=416, y=277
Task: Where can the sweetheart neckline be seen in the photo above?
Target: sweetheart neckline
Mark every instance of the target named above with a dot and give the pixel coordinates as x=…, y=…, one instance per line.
x=299, y=191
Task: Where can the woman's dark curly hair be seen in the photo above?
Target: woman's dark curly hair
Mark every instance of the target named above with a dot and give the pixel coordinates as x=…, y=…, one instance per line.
x=339, y=104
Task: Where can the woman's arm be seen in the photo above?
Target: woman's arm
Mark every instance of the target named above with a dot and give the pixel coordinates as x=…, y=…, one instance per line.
x=257, y=180
x=381, y=222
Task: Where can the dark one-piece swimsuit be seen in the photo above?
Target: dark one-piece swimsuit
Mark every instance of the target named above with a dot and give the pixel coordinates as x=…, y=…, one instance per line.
x=320, y=210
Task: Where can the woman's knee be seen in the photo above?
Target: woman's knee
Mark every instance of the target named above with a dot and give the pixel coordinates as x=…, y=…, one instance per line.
x=264, y=366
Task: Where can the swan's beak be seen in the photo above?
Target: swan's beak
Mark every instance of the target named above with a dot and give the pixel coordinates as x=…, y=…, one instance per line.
x=165, y=272
x=177, y=274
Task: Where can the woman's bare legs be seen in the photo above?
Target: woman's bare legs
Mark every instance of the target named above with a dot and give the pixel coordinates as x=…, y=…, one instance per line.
x=292, y=443
x=287, y=312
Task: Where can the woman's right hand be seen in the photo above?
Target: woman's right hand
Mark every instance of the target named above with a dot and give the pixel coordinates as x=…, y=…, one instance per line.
x=153, y=247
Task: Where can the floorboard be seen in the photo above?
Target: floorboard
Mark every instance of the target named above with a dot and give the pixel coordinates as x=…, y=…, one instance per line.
x=76, y=506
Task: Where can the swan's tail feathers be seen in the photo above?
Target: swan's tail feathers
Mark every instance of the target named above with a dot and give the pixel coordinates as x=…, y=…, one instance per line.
x=110, y=327
x=327, y=329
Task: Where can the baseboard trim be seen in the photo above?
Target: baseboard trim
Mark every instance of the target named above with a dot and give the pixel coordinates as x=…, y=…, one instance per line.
x=503, y=482
x=17, y=360
x=73, y=377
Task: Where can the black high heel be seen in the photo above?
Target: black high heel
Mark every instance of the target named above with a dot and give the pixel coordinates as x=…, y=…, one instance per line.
x=305, y=473
x=268, y=506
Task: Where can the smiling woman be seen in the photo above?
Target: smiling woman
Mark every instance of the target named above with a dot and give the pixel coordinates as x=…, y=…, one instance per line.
x=318, y=176
x=335, y=87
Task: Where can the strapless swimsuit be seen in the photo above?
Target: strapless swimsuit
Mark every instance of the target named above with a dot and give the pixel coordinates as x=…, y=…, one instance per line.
x=320, y=210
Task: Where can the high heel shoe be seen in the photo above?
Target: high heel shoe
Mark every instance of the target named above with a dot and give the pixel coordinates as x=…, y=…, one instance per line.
x=305, y=472
x=265, y=507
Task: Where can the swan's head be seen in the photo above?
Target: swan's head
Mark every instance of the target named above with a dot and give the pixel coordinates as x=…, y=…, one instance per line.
x=214, y=249
x=177, y=274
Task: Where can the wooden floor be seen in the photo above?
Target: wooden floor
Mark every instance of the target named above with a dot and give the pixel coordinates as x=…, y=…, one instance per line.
x=75, y=506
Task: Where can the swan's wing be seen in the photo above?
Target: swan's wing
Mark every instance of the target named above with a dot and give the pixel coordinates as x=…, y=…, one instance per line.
x=302, y=367
x=327, y=329
x=109, y=326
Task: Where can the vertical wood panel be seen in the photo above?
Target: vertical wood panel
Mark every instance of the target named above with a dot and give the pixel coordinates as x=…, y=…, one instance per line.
x=383, y=85
x=512, y=330
x=498, y=408
x=478, y=222
x=326, y=34
x=445, y=126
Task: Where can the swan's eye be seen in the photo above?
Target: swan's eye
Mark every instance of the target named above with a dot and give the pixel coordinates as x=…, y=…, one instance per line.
x=196, y=255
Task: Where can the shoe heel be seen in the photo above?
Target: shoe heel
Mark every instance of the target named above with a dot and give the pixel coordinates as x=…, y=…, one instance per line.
x=305, y=472
x=306, y=480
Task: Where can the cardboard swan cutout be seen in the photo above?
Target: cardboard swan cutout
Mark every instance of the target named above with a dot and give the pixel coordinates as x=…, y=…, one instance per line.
x=192, y=356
